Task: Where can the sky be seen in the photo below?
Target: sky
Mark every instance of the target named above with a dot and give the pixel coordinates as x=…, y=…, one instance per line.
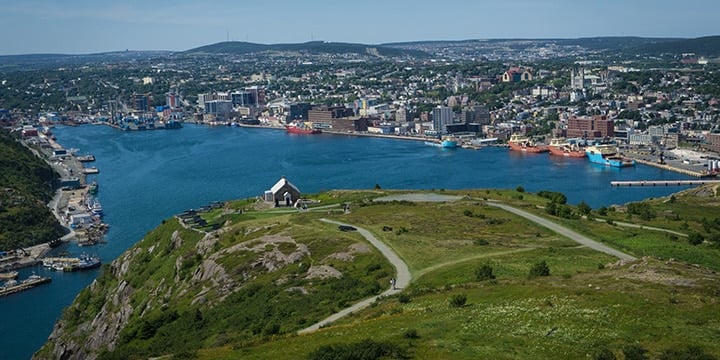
x=91, y=26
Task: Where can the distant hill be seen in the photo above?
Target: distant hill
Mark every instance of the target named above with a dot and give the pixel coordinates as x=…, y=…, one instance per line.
x=703, y=46
x=34, y=61
x=592, y=43
x=616, y=42
x=313, y=47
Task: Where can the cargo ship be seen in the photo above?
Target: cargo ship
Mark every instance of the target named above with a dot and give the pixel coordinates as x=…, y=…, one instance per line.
x=301, y=128
x=560, y=147
x=607, y=155
x=524, y=144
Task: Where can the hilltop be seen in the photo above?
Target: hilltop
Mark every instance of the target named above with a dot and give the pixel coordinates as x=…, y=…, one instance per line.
x=312, y=47
x=486, y=283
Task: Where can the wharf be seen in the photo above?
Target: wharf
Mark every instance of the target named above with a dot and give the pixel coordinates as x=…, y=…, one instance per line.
x=24, y=285
x=663, y=182
x=673, y=165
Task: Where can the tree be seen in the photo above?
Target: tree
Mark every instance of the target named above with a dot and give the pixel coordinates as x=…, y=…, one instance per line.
x=584, y=208
x=484, y=272
x=539, y=269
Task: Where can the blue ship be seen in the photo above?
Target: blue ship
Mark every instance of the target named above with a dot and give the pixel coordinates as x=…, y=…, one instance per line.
x=607, y=155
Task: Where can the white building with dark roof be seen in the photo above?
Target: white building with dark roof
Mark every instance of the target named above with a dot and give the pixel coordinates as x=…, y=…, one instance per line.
x=282, y=192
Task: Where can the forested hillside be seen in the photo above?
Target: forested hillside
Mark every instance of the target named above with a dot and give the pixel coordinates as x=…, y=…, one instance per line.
x=26, y=185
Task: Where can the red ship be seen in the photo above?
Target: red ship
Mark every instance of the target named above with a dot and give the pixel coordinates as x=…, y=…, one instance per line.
x=294, y=128
x=521, y=143
x=562, y=148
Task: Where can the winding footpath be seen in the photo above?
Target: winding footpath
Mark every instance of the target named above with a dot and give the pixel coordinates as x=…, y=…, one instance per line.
x=403, y=273
x=402, y=279
x=572, y=235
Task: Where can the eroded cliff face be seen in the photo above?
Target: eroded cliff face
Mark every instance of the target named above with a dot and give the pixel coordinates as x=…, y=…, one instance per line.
x=84, y=340
x=178, y=267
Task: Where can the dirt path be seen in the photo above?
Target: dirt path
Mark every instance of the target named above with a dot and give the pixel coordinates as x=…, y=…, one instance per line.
x=402, y=279
x=572, y=235
x=476, y=257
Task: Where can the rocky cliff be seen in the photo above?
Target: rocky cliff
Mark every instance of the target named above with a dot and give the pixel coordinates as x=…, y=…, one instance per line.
x=183, y=288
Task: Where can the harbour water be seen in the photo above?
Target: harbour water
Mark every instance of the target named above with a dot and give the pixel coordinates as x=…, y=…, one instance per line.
x=146, y=176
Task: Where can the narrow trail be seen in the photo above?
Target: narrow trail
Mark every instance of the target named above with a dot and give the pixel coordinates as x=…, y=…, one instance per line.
x=402, y=279
x=572, y=235
x=476, y=257
x=403, y=273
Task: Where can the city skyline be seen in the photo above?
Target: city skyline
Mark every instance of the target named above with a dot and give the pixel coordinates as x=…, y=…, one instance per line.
x=85, y=26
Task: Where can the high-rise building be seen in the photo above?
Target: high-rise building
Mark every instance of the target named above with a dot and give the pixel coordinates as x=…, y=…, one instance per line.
x=442, y=116
x=141, y=102
x=299, y=111
x=172, y=100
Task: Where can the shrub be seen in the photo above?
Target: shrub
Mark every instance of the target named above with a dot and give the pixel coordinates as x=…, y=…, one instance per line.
x=634, y=352
x=468, y=213
x=481, y=242
x=540, y=269
x=411, y=334
x=695, y=238
x=458, y=300
x=605, y=354
x=363, y=350
x=404, y=298
x=689, y=352
x=484, y=272
x=520, y=189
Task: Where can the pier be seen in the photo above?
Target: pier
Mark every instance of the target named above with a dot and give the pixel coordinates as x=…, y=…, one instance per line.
x=663, y=182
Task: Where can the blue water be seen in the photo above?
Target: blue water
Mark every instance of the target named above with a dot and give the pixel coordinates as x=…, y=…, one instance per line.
x=150, y=175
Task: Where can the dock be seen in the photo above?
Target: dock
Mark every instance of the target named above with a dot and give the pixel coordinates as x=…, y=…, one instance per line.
x=26, y=284
x=677, y=169
x=646, y=183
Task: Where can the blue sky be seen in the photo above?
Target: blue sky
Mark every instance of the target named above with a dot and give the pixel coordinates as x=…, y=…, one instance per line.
x=87, y=26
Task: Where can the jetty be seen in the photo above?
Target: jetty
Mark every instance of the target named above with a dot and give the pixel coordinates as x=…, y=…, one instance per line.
x=13, y=286
x=641, y=183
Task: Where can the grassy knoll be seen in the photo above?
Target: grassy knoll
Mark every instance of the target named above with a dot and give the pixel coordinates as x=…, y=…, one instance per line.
x=244, y=290
x=515, y=317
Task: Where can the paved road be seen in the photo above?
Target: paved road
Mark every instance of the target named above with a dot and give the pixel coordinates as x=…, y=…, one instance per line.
x=402, y=279
x=564, y=231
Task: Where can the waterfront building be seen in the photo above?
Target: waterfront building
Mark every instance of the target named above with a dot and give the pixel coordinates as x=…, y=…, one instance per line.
x=299, y=111
x=172, y=100
x=141, y=102
x=712, y=142
x=219, y=108
x=594, y=127
x=441, y=117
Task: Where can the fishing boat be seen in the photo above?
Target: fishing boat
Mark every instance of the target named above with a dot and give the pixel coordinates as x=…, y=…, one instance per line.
x=9, y=275
x=301, y=128
x=561, y=147
x=522, y=143
x=93, y=188
x=607, y=154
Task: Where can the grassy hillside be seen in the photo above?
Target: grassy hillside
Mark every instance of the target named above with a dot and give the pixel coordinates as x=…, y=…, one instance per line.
x=486, y=284
x=26, y=185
